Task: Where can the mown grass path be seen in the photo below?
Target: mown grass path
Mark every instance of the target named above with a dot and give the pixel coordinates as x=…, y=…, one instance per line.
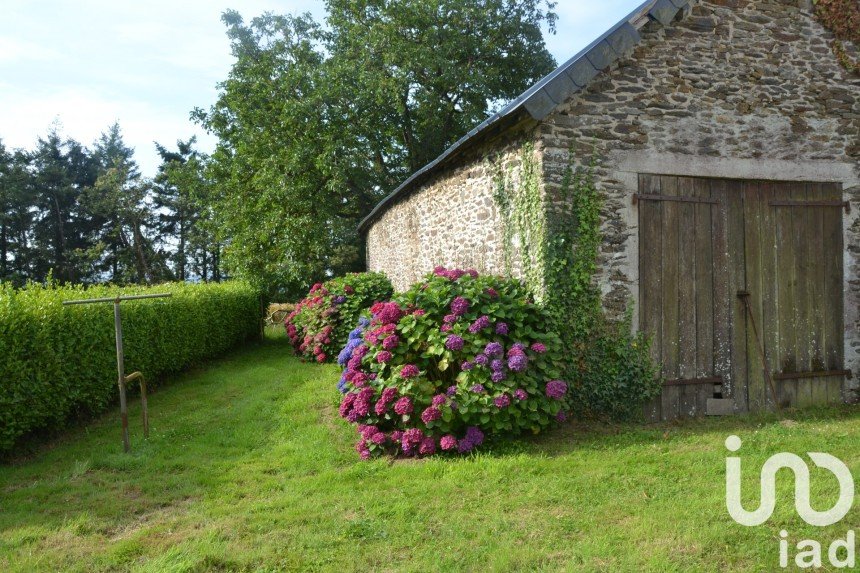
x=248, y=467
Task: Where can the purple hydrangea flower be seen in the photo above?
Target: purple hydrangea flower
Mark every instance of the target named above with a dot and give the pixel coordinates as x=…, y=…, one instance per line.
x=431, y=414
x=409, y=371
x=410, y=439
x=389, y=394
x=427, y=447
x=477, y=389
x=520, y=394
x=538, y=347
x=480, y=324
x=390, y=342
x=475, y=435
x=502, y=328
x=498, y=376
x=465, y=366
x=459, y=306
x=367, y=431
x=451, y=391
x=403, y=406
x=380, y=407
x=448, y=442
x=389, y=313
x=556, y=389
x=454, y=342
x=378, y=438
x=502, y=401
x=449, y=318
x=518, y=362
x=561, y=416
x=340, y=299
x=464, y=446
x=493, y=349
x=383, y=356
x=481, y=359
x=445, y=328
x=364, y=322
x=439, y=399
x=497, y=365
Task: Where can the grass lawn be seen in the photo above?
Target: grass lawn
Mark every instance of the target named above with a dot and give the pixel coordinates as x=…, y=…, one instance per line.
x=248, y=467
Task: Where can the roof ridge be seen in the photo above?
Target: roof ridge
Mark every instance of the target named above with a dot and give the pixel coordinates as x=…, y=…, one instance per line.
x=556, y=87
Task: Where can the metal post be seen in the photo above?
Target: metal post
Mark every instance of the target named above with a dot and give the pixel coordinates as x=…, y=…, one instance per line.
x=120, y=369
x=122, y=379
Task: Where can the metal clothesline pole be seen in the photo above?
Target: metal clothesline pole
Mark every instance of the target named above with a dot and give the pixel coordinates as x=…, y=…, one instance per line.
x=122, y=379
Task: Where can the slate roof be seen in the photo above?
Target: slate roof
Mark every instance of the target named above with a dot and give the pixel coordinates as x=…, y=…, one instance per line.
x=552, y=90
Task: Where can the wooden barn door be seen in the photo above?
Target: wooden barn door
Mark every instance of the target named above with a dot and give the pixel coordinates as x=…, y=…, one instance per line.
x=684, y=290
x=793, y=240
x=741, y=281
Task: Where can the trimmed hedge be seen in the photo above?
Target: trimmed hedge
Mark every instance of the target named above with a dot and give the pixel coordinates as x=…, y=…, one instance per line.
x=59, y=362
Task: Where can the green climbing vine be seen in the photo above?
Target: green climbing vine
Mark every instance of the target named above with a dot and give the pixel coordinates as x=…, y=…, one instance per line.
x=556, y=240
x=842, y=17
x=520, y=202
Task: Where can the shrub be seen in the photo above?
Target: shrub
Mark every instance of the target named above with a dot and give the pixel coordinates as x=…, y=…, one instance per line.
x=320, y=323
x=614, y=370
x=57, y=362
x=456, y=358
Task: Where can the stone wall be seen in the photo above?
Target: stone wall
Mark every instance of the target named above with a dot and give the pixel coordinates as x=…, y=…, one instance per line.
x=450, y=220
x=739, y=89
x=746, y=89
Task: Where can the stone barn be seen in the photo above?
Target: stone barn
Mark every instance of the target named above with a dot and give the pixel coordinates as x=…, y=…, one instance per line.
x=725, y=139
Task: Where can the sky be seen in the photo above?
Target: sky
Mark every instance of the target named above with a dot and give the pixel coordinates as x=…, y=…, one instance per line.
x=86, y=64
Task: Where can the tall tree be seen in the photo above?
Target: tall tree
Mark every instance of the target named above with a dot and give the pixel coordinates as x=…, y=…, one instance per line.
x=179, y=196
x=117, y=203
x=62, y=170
x=7, y=205
x=316, y=123
x=17, y=202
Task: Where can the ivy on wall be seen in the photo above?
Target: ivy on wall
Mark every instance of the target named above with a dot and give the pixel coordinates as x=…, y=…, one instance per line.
x=556, y=241
x=842, y=17
x=518, y=197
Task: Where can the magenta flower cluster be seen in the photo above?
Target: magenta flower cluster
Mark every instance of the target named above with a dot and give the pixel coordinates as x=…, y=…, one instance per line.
x=556, y=389
x=459, y=306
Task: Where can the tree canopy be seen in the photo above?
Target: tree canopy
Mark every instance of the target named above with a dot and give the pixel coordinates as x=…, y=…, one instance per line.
x=80, y=215
x=317, y=121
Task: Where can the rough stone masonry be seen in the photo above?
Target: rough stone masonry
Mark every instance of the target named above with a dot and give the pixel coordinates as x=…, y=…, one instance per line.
x=737, y=89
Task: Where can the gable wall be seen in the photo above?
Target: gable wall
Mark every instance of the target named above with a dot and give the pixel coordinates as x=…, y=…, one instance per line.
x=737, y=89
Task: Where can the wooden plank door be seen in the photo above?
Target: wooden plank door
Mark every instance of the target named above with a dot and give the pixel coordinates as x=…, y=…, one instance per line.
x=683, y=290
x=703, y=242
x=795, y=273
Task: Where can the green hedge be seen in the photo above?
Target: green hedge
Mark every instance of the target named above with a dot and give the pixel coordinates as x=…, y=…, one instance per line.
x=58, y=362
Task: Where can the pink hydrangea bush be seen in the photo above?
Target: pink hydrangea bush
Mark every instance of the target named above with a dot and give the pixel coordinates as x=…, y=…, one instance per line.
x=458, y=358
x=321, y=322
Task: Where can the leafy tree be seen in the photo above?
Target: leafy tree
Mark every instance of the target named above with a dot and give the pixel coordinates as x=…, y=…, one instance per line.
x=316, y=123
